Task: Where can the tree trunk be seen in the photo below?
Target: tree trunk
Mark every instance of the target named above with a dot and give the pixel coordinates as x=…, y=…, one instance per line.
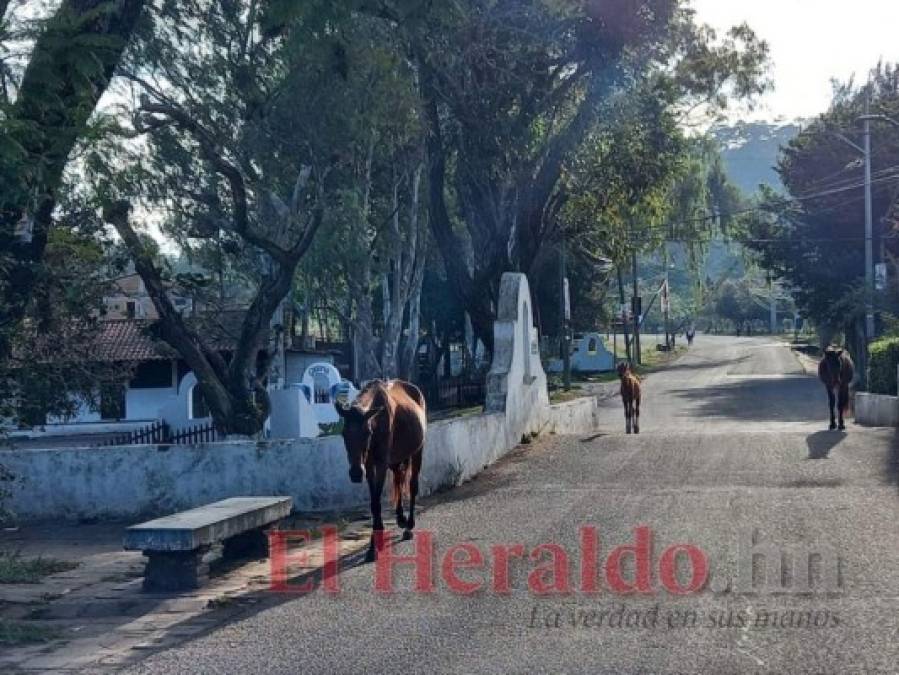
x=57, y=96
x=409, y=361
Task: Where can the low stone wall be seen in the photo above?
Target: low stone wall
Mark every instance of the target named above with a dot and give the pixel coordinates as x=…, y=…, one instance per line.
x=876, y=410
x=134, y=482
x=137, y=481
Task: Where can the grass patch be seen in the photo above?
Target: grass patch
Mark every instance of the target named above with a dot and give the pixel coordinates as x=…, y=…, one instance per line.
x=22, y=633
x=562, y=396
x=17, y=570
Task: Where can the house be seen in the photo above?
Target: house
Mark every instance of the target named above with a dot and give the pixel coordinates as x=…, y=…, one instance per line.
x=161, y=387
x=128, y=299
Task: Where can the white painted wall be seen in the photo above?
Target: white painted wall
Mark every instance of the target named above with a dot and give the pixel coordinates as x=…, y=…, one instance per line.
x=135, y=481
x=145, y=404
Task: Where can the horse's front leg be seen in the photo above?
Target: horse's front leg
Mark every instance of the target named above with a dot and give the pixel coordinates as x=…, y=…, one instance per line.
x=375, y=475
x=832, y=400
x=415, y=468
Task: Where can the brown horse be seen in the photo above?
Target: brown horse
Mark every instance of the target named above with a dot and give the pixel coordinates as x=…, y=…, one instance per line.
x=385, y=429
x=630, y=396
x=836, y=372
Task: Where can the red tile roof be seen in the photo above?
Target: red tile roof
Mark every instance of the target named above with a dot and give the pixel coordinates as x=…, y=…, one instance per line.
x=129, y=340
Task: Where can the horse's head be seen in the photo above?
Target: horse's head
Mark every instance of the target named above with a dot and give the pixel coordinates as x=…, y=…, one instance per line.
x=833, y=356
x=623, y=369
x=357, y=433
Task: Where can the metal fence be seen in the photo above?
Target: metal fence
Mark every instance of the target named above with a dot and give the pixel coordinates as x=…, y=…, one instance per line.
x=160, y=433
x=446, y=394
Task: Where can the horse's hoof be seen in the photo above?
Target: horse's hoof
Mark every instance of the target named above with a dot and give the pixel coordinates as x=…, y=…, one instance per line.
x=833, y=426
x=371, y=555
x=407, y=535
x=401, y=521
x=636, y=431
x=842, y=427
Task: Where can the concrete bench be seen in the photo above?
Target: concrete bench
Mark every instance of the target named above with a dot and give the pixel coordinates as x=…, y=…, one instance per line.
x=180, y=547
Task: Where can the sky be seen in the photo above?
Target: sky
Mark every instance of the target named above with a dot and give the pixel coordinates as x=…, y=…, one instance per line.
x=811, y=41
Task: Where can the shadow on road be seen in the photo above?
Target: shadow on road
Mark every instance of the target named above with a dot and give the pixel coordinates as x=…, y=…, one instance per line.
x=787, y=399
x=892, y=468
x=822, y=442
x=692, y=362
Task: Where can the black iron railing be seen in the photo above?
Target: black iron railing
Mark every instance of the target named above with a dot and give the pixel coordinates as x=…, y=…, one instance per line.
x=159, y=433
x=446, y=394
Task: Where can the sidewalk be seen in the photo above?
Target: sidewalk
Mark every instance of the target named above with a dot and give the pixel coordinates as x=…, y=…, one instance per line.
x=96, y=616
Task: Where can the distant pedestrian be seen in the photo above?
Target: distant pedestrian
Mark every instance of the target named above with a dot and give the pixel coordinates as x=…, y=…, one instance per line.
x=690, y=333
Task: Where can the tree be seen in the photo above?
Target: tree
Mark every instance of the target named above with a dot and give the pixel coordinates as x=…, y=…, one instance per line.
x=237, y=157
x=74, y=58
x=813, y=238
x=512, y=89
x=373, y=256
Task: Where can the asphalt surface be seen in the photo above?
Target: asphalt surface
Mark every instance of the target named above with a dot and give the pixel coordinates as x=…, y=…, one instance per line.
x=734, y=449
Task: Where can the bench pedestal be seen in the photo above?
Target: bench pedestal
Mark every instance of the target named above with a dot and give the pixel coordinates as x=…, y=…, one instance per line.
x=252, y=544
x=176, y=570
x=180, y=547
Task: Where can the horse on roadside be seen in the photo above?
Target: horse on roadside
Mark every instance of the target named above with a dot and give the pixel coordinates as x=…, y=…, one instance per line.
x=630, y=396
x=385, y=429
x=836, y=371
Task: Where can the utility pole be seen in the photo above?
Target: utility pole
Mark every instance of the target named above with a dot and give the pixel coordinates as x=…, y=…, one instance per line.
x=623, y=306
x=637, y=310
x=869, y=225
x=867, y=118
x=565, y=314
x=772, y=300
x=666, y=300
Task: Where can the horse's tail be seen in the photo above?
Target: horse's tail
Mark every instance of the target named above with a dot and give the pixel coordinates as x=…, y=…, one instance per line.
x=400, y=483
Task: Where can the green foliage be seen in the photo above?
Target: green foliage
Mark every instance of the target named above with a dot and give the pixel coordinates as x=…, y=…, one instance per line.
x=884, y=355
x=14, y=633
x=814, y=238
x=332, y=428
x=14, y=569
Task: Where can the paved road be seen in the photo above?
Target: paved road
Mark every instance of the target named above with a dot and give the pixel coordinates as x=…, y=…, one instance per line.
x=733, y=449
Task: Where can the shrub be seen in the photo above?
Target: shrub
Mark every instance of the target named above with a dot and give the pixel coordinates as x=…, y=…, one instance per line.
x=882, y=366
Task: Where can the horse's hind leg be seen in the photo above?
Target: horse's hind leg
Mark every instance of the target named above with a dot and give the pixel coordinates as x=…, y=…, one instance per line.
x=637, y=415
x=843, y=404
x=376, y=478
x=627, y=417
x=415, y=468
x=399, y=481
x=832, y=400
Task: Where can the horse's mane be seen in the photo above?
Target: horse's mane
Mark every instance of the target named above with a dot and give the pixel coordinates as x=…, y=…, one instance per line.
x=374, y=395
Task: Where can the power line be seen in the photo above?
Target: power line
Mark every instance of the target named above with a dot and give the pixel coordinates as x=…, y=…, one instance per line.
x=754, y=209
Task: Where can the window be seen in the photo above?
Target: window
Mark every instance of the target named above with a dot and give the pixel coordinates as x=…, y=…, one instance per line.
x=132, y=309
x=591, y=346
x=198, y=407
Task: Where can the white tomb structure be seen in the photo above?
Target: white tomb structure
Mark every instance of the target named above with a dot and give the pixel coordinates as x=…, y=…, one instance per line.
x=324, y=385
x=299, y=410
x=516, y=383
x=589, y=354
x=292, y=414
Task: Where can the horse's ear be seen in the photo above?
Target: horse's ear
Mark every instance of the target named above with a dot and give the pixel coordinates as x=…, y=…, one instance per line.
x=341, y=410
